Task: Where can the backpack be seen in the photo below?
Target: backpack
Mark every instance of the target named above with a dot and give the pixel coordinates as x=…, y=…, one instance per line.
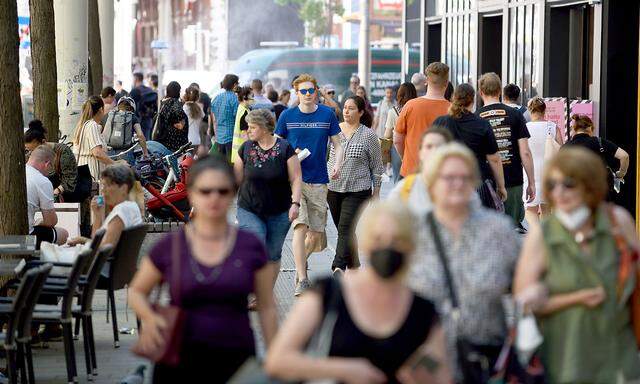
x=118, y=130
x=148, y=104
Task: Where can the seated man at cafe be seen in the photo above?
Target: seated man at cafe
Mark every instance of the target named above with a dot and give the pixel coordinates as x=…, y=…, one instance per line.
x=40, y=198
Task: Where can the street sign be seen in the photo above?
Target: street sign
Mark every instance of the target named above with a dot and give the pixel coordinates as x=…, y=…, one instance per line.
x=159, y=44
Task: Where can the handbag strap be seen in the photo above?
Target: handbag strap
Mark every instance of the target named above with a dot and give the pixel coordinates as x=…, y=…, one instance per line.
x=175, y=267
x=437, y=240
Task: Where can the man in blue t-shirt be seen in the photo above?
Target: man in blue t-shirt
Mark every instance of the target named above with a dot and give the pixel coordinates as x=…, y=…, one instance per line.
x=310, y=126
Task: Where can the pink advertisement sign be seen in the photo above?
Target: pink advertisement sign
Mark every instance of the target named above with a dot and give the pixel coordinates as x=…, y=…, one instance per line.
x=557, y=111
x=583, y=107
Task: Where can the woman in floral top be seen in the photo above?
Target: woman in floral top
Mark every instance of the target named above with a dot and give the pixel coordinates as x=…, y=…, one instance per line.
x=270, y=178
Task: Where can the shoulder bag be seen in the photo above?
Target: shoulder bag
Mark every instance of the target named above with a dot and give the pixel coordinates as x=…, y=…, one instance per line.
x=252, y=372
x=168, y=353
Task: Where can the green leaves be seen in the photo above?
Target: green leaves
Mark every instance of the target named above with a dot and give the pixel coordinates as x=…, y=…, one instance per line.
x=316, y=14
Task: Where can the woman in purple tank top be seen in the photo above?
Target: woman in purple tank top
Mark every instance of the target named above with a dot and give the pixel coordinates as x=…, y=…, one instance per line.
x=219, y=266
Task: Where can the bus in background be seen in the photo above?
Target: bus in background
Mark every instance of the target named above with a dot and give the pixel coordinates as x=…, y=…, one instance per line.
x=329, y=66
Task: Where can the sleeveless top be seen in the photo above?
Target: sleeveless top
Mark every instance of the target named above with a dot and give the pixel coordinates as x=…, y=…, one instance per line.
x=581, y=344
x=389, y=353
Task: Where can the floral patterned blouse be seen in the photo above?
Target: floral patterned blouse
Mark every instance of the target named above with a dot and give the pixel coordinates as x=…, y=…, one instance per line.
x=265, y=188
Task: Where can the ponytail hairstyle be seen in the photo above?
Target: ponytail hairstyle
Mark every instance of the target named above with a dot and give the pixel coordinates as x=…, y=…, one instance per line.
x=191, y=97
x=537, y=105
x=89, y=109
x=366, y=118
x=244, y=93
x=582, y=123
x=463, y=96
x=36, y=132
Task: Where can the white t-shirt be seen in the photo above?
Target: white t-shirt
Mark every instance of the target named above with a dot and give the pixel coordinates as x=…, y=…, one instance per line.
x=128, y=212
x=419, y=202
x=39, y=193
x=194, y=125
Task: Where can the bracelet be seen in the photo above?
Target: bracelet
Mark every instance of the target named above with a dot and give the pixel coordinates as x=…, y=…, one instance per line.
x=296, y=203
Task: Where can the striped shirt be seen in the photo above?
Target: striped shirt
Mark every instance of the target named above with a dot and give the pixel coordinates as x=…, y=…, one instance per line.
x=224, y=107
x=90, y=138
x=362, y=166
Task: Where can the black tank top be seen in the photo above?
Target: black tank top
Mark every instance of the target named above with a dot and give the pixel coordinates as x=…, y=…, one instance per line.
x=390, y=353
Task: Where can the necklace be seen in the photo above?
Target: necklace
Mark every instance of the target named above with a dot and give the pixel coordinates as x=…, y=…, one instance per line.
x=217, y=270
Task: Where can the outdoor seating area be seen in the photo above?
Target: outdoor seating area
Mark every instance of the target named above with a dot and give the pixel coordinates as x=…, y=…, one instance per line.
x=31, y=282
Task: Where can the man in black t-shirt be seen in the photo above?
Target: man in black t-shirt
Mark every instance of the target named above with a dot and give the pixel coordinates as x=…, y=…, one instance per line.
x=510, y=130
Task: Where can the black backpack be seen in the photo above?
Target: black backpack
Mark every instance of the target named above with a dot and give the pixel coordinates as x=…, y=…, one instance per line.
x=118, y=130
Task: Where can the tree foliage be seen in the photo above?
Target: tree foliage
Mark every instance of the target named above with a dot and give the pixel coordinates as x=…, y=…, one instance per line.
x=316, y=14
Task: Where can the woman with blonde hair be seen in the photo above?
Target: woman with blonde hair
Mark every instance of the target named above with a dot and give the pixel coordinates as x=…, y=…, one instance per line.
x=88, y=144
x=478, y=247
x=576, y=254
x=539, y=129
x=381, y=331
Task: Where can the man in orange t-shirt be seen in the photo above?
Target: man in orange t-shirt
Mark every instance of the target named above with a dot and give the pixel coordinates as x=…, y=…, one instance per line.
x=418, y=115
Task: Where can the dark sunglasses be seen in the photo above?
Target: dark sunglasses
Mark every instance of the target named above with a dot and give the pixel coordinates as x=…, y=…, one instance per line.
x=331, y=92
x=220, y=191
x=567, y=183
x=304, y=91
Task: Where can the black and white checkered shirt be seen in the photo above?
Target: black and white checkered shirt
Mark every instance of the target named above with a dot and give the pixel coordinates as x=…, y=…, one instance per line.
x=362, y=166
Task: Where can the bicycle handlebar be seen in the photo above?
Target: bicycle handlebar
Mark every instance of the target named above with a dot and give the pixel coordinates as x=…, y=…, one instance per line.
x=181, y=149
x=119, y=154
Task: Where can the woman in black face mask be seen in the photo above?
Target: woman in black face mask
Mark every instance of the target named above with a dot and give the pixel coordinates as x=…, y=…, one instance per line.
x=381, y=332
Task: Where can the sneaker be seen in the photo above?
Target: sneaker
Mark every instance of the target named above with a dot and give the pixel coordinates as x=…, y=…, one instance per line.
x=338, y=273
x=301, y=286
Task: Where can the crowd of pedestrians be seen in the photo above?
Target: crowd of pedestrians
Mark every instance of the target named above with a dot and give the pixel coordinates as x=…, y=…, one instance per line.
x=494, y=215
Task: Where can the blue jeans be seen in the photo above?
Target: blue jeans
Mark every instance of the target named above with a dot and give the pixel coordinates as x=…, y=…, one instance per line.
x=272, y=230
x=158, y=149
x=396, y=164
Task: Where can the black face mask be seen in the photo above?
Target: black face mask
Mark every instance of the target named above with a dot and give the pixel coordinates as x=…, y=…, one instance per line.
x=386, y=262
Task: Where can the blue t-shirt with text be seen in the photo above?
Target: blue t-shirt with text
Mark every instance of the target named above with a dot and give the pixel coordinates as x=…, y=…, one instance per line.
x=311, y=131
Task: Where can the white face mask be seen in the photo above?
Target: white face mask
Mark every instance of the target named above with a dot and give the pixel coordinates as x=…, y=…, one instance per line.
x=575, y=219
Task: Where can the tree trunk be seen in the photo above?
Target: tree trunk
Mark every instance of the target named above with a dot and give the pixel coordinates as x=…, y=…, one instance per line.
x=95, y=50
x=13, y=190
x=43, y=53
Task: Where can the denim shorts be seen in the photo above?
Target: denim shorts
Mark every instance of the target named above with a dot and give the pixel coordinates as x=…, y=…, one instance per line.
x=272, y=230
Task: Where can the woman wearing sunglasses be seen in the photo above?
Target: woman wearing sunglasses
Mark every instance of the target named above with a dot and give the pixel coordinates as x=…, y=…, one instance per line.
x=585, y=319
x=218, y=266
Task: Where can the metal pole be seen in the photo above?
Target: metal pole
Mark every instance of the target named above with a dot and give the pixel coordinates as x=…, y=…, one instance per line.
x=72, y=56
x=106, y=12
x=364, y=51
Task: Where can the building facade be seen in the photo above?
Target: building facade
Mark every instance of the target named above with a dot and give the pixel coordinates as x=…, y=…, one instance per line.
x=574, y=49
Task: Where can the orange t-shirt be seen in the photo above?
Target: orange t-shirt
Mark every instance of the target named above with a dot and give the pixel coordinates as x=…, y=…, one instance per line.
x=415, y=119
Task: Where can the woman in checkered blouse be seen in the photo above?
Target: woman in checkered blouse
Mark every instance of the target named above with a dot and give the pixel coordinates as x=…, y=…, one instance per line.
x=359, y=179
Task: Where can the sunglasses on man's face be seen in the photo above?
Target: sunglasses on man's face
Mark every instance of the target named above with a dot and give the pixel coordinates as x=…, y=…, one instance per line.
x=223, y=192
x=331, y=92
x=303, y=92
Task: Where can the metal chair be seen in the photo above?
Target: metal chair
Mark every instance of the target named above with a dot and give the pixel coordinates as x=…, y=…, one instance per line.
x=62, y=314
x=123, y=264
x=16, y=313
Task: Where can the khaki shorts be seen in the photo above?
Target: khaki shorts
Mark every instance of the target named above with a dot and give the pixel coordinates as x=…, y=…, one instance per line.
x=313, y=207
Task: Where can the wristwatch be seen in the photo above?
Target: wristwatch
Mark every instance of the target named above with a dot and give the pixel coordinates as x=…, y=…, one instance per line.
x=295, y=203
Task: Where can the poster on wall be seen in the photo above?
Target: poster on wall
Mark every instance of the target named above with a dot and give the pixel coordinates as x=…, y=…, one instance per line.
x=557, y=112
x=583, y=107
